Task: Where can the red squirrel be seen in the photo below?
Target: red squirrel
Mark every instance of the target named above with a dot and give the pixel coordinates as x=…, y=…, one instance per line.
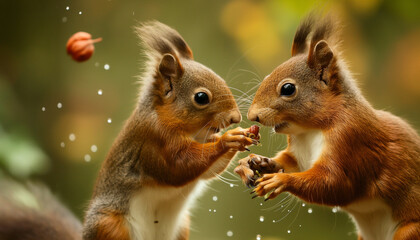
x=168, y=146
x=341, y=151
x=160, y=161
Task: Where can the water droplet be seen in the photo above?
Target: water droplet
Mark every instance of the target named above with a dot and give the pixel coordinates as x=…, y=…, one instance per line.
x=64, y=19
x=214, y=210
x=62, y=144
x=106, y=66
x=87, y=158
x=43, y=109
x=231, y=185
x=93, y=148
x=261, y=204
x=100, y=92
x=303, y=204
x=309, y=210
x=80, y=13
x=334, y=209
x=300, y=225
x=261, y=218
x=231, y=217
x=258, y=237
x=209, y=210
x=59, y=105
x=67, y=8
x=215, y=198
x=274, y=221
x=229, y=233
x=288, y=210
x=288, y=231
x=109, y=120
x=72, y=137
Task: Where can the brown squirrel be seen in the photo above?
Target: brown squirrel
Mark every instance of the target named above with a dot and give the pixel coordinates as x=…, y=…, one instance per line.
x=341, y=151
x=167, y=147
x=159, y=162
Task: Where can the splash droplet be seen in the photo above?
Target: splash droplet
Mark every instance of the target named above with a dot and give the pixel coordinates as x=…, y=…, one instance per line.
x=64, y=19
x=93, y=148
x=303, y=204
x=80, y=13
x=288, y=231
x=214, y=210
x=62, y=144
x=215, y=198
x=100, y=92
x=109, y=120
x=67, y=8
x=72, y=137
x=231, y=185
x=334, y=209
x=309, y=210
x=87, y=158
x=59, y=105
x=231, y=217
x=106, y=67
x=261, y=218
x=229, y=233
x=258, y=237
x=43, y=109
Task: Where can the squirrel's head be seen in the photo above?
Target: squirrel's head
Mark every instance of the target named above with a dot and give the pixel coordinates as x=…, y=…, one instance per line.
x=304, y=92
x=182, y=93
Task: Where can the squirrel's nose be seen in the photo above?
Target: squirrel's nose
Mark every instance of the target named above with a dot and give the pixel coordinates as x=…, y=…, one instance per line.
x=235, y=117
x=253, y=114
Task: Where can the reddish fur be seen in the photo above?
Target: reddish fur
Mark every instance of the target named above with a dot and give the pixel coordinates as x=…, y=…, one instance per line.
x=112, y=227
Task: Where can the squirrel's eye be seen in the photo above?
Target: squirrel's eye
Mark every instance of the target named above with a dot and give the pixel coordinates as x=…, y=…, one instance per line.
x=201, y=98
x=287, y=89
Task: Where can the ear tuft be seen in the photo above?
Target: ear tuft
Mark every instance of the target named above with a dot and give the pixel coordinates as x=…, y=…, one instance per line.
x=168, y=66
x=322, y=54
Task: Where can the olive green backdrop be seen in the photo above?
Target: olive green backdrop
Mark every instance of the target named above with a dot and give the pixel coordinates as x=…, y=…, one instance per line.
x=58, y=118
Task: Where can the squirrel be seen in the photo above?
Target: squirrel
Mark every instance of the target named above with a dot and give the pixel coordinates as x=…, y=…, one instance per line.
x=170, y=145
x=341, y=151
x=167, y=148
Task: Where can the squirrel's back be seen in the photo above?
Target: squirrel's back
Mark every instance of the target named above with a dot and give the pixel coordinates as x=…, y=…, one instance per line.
x=31, y=212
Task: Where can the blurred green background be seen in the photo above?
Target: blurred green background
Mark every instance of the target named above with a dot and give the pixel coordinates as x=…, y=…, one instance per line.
x=58, y=118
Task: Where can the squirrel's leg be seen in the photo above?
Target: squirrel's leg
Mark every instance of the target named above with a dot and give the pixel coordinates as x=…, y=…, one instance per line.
x=316, y=185
x=359, y=237
x=108, y=225
x=408, y=231
x=184, y=233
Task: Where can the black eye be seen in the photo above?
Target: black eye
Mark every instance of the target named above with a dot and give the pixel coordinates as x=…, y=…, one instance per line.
x=201, y=98
x=287, y=89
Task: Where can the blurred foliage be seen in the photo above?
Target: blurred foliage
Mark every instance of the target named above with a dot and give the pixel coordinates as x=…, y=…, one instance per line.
x=242, y=40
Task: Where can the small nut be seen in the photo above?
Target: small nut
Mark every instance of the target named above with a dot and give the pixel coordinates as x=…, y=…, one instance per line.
x=253, y=132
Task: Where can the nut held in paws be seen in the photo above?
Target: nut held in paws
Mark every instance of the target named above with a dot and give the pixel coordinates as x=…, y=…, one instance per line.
x=254, y=132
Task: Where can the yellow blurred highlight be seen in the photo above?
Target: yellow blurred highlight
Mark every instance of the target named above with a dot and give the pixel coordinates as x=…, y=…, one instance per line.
x=249, y=25
x=365, y=6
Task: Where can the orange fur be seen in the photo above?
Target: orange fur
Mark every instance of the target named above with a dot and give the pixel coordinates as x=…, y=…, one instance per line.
x=112, y=227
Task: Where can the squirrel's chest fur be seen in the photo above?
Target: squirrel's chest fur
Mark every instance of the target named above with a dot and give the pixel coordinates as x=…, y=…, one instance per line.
x=306, y=148
x=159, y=212
x=373, y=219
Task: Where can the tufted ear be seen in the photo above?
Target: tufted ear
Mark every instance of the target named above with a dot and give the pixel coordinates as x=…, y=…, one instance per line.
x=168, y=66
x=170, y=69
x=322, y=55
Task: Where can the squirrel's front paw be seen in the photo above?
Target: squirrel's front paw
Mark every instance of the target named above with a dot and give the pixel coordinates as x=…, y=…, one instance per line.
x=235, y=139
x=252, y=167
